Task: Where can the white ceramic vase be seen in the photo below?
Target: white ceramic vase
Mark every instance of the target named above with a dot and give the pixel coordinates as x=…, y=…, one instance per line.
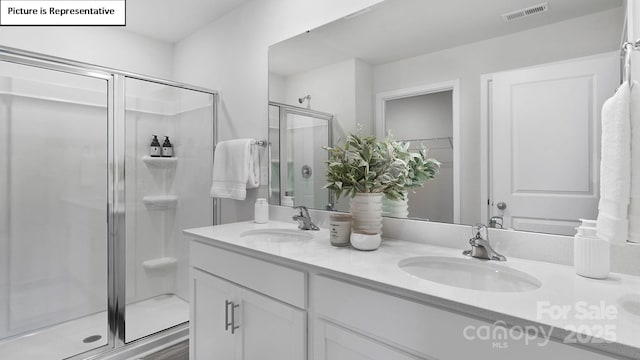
x=366, y=212
x=396, y=208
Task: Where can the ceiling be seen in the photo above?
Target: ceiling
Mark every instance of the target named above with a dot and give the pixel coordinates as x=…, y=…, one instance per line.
x=173, y=20
x=398, y=29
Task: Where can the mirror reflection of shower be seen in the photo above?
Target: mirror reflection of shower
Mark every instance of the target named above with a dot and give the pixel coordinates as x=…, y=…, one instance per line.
x=306, y=98
x=298, y=160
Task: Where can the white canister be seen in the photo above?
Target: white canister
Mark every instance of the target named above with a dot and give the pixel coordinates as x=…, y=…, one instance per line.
x=365, y=241
x=339, y=229
x=287, y=201
x=261, y=211
x=591, y=256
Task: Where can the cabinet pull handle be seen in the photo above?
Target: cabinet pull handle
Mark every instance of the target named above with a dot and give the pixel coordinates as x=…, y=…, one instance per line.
x=226, y=315
x=233, y=318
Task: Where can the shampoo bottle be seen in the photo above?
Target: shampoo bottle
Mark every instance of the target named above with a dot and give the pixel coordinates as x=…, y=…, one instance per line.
x=154, y=148
x=167, y=148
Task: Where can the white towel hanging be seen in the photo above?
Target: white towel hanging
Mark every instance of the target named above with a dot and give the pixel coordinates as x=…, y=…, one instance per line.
x=615, y=172
x=235, y=169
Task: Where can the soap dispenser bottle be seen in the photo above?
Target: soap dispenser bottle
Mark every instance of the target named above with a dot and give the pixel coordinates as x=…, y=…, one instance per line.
x=167, y=148
x=154, y=148
x=591, y=254
x=261, y=211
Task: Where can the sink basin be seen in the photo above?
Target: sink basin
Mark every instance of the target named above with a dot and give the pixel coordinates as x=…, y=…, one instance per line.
x=277, y=235
x=469, y=273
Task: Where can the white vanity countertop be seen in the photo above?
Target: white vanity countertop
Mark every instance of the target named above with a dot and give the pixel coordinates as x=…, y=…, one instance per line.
x=580, y=297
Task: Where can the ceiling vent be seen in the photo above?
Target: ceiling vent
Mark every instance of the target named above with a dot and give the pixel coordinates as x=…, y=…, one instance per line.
x=531, y=10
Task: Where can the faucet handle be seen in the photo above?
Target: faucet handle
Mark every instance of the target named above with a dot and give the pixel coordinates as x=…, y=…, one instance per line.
x=303, y=210
x=480, y=231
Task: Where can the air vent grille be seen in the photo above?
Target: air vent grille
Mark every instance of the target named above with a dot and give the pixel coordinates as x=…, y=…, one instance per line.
x=531, y=10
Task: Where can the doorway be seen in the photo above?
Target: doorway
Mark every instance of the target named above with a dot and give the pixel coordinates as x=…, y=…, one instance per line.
x=427, y=116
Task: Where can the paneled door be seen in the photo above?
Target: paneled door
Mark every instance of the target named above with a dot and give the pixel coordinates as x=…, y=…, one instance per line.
x=545, y=142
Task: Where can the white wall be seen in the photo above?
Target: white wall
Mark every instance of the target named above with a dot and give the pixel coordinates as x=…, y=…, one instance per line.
x=364, y=96
x=344, y=89
x=332, y=90
x=419, y=117
x=583, y=36
x=231, y=55
x=110, y=47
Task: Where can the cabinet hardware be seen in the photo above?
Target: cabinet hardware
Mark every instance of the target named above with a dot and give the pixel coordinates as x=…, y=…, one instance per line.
x=230, y=324
x=226, y=314
x=233, y=318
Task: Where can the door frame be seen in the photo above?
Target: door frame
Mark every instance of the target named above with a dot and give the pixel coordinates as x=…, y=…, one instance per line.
x=454, y=87
x=486, y=191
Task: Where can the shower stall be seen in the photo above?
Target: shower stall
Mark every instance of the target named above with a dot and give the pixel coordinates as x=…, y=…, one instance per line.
x=92, y=258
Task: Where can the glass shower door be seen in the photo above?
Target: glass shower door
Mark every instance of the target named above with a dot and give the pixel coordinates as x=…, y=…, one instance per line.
x=53, y=212
x=299, y=162
x=164, y=195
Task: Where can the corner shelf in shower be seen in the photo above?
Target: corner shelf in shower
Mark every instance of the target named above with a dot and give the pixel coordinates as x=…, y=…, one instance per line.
x=160, y=162
x=159, y=263
x=160, y=202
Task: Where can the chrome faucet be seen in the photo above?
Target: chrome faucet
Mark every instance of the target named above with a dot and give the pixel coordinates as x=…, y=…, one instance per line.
x=496, y=222
x=304, y=219
x=480, y=247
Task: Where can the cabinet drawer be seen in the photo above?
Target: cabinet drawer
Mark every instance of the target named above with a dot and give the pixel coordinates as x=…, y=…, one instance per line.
x=285, y=284
x=428, y=331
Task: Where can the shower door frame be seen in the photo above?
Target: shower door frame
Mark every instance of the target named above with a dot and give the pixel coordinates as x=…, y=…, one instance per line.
x=116, y=239
x=284, y=110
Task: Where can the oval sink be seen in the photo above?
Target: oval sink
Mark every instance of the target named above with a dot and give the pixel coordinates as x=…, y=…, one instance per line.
x=277, y=234
x=469, y=273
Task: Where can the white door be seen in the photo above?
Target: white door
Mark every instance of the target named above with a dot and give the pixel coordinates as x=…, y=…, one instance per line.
x=210, y=312
x=270, y=329
x=545, y=136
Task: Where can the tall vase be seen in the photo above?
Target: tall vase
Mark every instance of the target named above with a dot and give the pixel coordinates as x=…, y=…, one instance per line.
x=396, y=208
x=366, y=212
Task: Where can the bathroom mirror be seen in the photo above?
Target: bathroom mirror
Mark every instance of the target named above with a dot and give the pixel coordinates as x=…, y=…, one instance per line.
x=506, y=96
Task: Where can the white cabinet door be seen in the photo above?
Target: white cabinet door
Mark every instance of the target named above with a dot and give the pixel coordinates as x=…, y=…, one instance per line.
x=270, y=329
x=335, y=343
x=263, y=328
x=545, y=135
x=209, y=339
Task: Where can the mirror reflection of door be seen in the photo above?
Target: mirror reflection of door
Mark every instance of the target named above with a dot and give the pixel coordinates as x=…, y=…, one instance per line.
x=427, y=120
x=545, y=135
x=298, y=175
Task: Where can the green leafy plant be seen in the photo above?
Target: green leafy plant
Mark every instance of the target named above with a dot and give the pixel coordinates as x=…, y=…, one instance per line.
x=420, y=168
x=366, y=165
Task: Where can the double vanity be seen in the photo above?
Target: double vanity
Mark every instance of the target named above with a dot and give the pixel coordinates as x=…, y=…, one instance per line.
x=272, y=291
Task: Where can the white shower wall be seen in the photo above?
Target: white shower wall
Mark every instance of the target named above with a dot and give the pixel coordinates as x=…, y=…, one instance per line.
x=154, y=233
x=303, y=131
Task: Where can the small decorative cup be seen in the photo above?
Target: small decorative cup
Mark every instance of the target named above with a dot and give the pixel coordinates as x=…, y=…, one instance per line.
x=365, y=241
x=339, y=229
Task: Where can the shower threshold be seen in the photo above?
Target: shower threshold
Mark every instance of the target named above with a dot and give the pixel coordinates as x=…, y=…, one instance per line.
x=83, y=334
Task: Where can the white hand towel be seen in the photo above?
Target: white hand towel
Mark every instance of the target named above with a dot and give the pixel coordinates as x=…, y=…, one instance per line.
x=615, y=173
x=634, y=205
x=235, y=169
